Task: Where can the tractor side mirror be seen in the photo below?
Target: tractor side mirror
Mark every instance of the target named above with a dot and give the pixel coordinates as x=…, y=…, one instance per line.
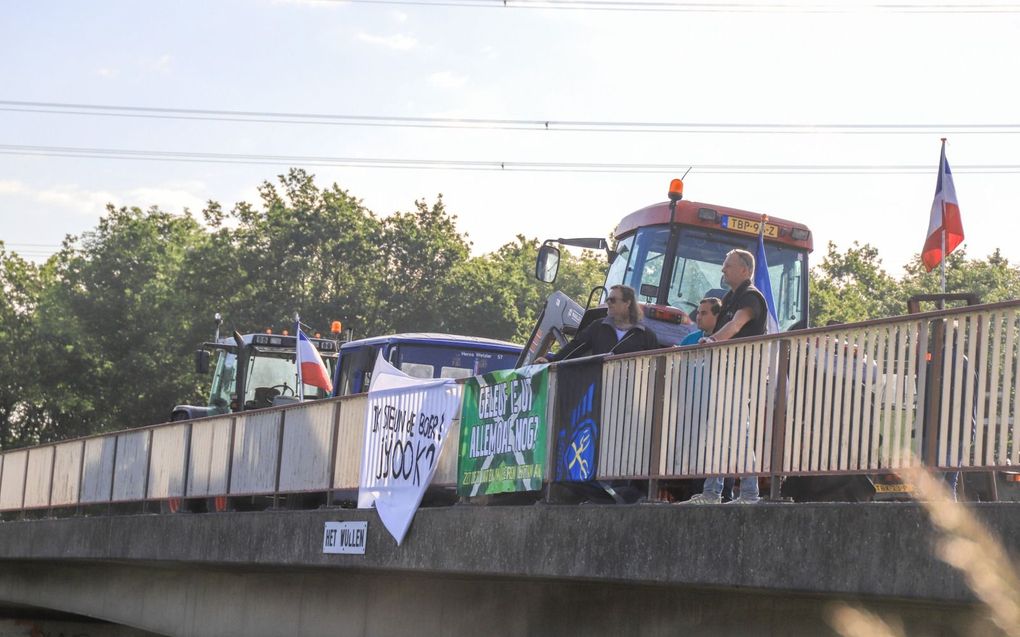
x=547, y=264
x=201, y=361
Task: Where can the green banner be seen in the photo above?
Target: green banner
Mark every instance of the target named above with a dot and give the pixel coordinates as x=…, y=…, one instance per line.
x=503, y=432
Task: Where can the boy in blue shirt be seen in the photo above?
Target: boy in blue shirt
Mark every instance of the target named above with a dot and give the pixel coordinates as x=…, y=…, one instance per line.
x=706, y=319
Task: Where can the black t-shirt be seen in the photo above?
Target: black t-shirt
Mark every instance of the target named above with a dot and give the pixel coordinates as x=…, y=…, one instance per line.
x=746, y=296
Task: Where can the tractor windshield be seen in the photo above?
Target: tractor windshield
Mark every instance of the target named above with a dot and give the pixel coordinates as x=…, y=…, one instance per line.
x=269, y=376
x=697, y=269
x=223, y=382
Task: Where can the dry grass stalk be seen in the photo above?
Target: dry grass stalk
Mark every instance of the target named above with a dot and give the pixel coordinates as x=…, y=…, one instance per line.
x=850, y=621
x=968, y=546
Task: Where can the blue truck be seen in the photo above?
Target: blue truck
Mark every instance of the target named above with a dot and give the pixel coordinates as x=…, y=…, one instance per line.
x=422, y=355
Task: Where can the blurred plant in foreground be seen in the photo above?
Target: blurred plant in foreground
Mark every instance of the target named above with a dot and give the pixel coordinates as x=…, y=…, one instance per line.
x=964, y=543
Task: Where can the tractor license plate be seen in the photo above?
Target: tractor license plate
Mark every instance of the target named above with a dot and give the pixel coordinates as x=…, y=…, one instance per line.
x=750, y=227
x=893, y=488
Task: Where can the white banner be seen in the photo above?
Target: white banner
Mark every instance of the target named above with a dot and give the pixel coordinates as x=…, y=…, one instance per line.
x=405, y=427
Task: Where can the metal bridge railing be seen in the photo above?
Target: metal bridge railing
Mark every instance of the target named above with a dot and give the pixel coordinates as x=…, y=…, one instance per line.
x=627, y=416
x=717, y=410
x=870, y=397
x=877, y=396
x=976, y=415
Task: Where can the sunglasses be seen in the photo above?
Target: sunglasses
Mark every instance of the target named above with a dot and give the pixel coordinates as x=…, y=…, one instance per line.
x=612, y=300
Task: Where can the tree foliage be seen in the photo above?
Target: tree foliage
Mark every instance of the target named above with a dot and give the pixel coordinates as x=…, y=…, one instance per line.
x=102, y=336
x=19, y=374
x=853, y=286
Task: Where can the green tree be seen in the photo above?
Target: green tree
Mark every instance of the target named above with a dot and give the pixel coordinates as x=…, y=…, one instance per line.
x=853, y=286
x=116, y=330
x=317, y=252
x=422, y=248
x=497, y=295
x=20, y=419
x=992, y=279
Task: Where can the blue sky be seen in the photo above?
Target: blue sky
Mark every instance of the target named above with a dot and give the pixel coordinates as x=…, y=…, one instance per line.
x=857, y=65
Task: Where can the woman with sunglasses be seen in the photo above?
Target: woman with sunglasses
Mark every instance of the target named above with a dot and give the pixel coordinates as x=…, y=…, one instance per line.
x=621, y=332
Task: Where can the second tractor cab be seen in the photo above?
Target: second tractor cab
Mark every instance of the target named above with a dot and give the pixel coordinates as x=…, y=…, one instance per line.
x=672, y=253
x=422, y=355
x=253, y=371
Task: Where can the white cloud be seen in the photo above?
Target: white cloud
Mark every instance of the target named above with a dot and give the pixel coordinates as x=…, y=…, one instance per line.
x=107, y=72
x=82, y=201
x=161, y=64
x=397, y=41
x=169, y=197
x=447, y=79
x=398, y=16
x=9, y=187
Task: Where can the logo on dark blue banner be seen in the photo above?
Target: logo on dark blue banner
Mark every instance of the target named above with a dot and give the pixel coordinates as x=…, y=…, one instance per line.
x=577, y=444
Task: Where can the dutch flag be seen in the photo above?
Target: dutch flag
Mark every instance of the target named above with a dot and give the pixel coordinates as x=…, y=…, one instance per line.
x=945, y=216
x=311, y=370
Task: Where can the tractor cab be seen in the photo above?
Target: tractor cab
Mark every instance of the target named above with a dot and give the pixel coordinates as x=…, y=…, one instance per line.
x=671, y=254
x=253, y=371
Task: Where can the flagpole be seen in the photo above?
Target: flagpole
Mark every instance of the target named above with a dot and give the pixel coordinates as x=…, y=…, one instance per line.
x=297, y=355
x=943, y=268
x=943, y=264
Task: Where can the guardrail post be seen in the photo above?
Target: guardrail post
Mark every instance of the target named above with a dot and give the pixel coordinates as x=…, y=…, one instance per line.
x=113, y=473
x=933, y=395
x=187, y=462
x=779, y=420
x=230, y=458
x=148, y=468
x=81, y=479
x=334, y=436
x=655, y=448
x=24, y=483
x=53, y=466
x=279, y=459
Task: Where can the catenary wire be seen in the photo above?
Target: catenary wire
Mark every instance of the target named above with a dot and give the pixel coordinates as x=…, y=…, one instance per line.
x=708, y=7
x=490, y=165
x=768, y=128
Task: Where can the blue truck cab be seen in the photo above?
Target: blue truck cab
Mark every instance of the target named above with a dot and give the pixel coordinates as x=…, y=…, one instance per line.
x=422, y=355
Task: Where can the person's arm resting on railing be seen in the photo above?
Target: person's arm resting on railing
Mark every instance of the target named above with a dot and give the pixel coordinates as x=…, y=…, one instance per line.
x=743, y=316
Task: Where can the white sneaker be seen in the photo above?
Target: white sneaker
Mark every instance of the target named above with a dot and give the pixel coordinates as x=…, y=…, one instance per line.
x=743, y=500
x=701, y=498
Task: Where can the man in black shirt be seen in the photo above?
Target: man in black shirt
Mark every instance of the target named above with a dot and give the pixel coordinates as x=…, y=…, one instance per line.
x=744, y=313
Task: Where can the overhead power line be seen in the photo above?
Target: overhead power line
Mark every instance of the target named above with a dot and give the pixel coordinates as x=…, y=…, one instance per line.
x=491, y=165
x=713, y=7
x=558, y=125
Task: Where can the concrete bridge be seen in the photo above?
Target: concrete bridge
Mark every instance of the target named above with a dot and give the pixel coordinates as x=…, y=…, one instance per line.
x=771, y=569
x=868, y=398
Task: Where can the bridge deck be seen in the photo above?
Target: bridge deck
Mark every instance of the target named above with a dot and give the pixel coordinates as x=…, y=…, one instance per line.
x=878, y=550
x=764, y=570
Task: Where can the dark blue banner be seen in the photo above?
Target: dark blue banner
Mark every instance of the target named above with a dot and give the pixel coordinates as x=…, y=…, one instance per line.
x=578, y=420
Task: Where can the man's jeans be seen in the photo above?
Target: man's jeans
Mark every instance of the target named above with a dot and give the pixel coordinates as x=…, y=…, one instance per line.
x=748, y=487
